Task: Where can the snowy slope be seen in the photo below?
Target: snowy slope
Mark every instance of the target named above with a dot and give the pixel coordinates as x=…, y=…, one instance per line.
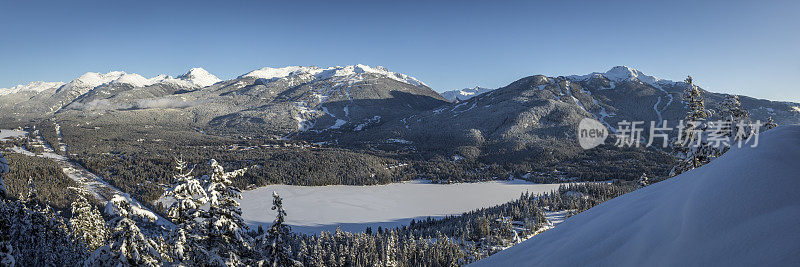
x=741, y=209
x=464, y=94
x=352, y=73
x=36, y=87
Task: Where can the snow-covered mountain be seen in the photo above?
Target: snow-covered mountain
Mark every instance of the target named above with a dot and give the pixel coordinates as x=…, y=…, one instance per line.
x=347, y=74
x=621, y=73
x=32, y=87
x=741, y=209
x=464, y=94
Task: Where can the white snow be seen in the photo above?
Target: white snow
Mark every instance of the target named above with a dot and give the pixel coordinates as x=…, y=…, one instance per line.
x=338, y=124
x=38, y=86
x=397, y=140
x=464, y=94
x=622, y=73
x=199, y=77
x=741, y=209
x=90, y=182
x=93, y=79
x=194, y=78
x=375, y=119
x=6, y=134
x=136, y=209
x=351, y=74
x=315, y=208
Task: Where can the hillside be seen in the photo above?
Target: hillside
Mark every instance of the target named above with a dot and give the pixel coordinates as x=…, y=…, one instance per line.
x=739, y=210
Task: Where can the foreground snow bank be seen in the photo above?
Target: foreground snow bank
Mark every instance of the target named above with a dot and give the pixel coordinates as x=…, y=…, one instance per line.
x=742, y=209
x=312, y=209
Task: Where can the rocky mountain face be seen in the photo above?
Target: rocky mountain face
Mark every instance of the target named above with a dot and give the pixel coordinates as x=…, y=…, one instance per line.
x=530, y=121
x=464, y=94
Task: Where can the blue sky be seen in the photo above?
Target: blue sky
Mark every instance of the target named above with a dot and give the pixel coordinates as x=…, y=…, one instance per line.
x=737, y=47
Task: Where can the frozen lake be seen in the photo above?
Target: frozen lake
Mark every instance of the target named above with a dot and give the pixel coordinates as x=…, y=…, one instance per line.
x=312, y=209
x=8, y=134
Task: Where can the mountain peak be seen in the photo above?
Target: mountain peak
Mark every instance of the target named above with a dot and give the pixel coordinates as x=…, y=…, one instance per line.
x=620, y=73
x=199, y=77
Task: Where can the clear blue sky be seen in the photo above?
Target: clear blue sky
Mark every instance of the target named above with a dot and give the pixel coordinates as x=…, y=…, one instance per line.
x=739, y=47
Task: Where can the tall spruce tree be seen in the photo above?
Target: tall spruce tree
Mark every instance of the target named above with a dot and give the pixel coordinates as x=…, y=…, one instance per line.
x=733, y=117
x=225, y=226
x=275, y=241
x=189, y=196
x=690, y=148
x=87, y=223
x=129, y=246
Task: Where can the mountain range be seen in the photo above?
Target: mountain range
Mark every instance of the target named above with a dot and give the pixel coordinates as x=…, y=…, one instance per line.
x=529, y=123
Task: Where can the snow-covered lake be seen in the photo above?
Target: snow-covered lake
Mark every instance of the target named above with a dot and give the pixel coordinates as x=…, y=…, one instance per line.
x=312, y=209
x=8, y=134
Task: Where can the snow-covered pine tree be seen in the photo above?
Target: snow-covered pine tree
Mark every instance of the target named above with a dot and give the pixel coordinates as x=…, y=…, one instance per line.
x=30, y=197
x=690, y=149
x=87, y=224
x=643, y=180
x=732, y=116
x=225, y=226
x=36, y=236
x=390, y=259
x=767, y=125
x=731, y=110
x=129, y=246
x=189, y=195
x=275, y=241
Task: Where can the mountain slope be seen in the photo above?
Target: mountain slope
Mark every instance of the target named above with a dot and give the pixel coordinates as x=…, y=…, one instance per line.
x=464, y=94
x=740, y=209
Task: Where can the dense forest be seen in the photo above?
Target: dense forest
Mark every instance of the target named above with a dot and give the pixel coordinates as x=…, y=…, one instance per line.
x=207, y=229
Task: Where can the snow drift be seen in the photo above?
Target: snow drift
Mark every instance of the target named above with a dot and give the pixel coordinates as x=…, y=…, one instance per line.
x=742, y=209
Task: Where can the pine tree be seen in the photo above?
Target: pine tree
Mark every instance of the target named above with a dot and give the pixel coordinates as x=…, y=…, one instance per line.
x=7, y=254
x=690, y=149
x=225, y=226
x=30, y=197
x=129, y=246
x=189, y=195
x=733, y=116
x=391, y=249
x=276, y=238
x=643, y=180
x=767, y=125
x=88, y=224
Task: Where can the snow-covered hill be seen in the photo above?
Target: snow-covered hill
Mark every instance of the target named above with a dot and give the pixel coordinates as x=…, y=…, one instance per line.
x=464, y=94
x=740, y=210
